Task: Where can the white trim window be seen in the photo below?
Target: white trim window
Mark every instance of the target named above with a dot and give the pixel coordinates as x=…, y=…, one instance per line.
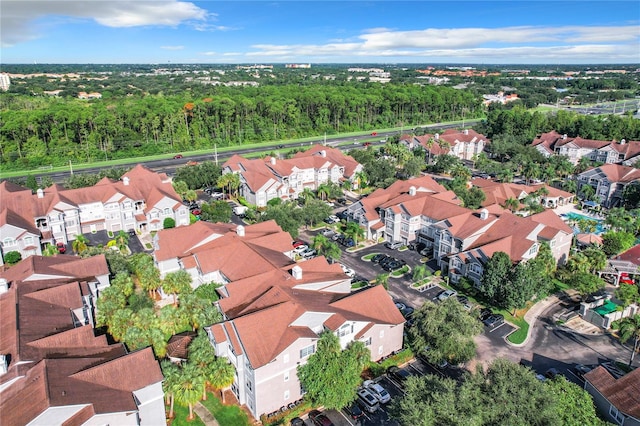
x=309, y=350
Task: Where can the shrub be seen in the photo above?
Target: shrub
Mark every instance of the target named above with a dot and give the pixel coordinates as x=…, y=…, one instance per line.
x=12, y=257
x=169, y=223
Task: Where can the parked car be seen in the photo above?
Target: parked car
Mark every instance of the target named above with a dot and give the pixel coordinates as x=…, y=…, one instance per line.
x=378, y=257
x=338, y=238
x=62, y=249
x=444, y=295
x=378, y=391
x=298, y=243
x=177, y=156
x=393, y=245
x=348, y=271
x=332, y=219
x=297, y=421
x=300, y=249
x=319, y=419
x=464, y=301
x=308, y=254
x=367, y=400
x=552, y=373
x=328, y=233
x=494, y=320
x=342, y=215
x=196, y=212
x=407, y=311
x=484, y=314
x=354, y=410
x=348, y=242
x=374, y=133
x=399, y=374
x=581, y=369
x=400, y=305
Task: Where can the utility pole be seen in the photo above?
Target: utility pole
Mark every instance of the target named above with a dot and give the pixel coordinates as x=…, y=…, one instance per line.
x=70, y=168
x=215, y=152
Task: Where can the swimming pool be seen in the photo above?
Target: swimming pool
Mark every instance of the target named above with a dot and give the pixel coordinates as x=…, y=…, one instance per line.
x=577, y=217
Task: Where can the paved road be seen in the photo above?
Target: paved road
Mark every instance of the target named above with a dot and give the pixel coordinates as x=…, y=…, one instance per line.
x=169, y=166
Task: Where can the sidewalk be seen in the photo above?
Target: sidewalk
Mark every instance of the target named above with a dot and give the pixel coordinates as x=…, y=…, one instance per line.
x=204, y=414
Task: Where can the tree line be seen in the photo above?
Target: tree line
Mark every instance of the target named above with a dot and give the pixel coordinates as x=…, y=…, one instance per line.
x=38, y=131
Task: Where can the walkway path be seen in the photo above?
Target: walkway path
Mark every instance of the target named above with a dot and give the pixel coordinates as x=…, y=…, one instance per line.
x=204, y=414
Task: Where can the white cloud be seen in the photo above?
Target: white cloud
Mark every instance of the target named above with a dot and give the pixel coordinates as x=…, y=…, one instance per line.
x=172, y=47
x=508, y=44
x=19, y=16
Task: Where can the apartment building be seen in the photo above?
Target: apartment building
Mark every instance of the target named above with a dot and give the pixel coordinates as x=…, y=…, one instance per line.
x=54, y=367
x=616, y=398
x=461, y=240
x=609, y=182
x=497, y=193
x=464, y=144
x=575, y=148
x=274, y=308
x=265, y=179
x=140, y=201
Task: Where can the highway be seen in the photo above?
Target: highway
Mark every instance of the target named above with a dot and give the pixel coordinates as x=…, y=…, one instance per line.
x=170, y=165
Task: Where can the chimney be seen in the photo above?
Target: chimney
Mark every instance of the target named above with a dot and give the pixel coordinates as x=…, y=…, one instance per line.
x=40, y=193
x=240, y=231
x=564, y=136
x=273, y=161
x=412, y=190
x=296, y=271
x=484, y=214
x=622, y=141
x=466, y=131
x=125, y=181
x=4, y=286
x=323, y=153
x=436, y=136
x=3, y=364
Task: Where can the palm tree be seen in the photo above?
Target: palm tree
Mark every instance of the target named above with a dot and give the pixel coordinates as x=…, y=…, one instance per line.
x=223, y=374
x=354, y=230
x=190, y=195
x=323, y=191
x=80, y=244
x=171, y=373
x=50, y=250
x=383, y=279
x=429, y=144
x=361, y=177
x=176, y=282
x=307, y=194
x=122, y=241
x=188, y=387
x=630, y=329
x=419, y=272
x=587, y=192
x=511, y=204
x=570, y=185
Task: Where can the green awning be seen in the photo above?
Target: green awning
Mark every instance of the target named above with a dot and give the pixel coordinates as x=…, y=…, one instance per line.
x=606, y=308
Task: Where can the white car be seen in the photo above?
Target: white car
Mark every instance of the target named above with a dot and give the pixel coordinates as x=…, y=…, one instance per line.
x=348, y=271
x=378, y=391
x=447, y=294
x=300, y=249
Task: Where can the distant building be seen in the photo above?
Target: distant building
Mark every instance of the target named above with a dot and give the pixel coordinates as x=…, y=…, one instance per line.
x=297, y=66
x=500, y=98
x=464, y=144
x=609, y=182
x=5, y=82
x=92, y=95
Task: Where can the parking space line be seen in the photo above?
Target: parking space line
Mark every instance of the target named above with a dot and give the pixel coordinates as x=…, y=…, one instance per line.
x=347, y=418
x=494, y=329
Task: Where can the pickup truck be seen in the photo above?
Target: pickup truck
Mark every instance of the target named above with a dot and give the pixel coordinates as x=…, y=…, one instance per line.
x=240, y=210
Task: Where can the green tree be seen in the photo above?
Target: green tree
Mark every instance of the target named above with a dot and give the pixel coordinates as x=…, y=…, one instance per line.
x=628, y=294
x=354, y=230
x=50, y=250
x=171, y=373
x=80, y=244
x=631, y=196
x=327, y=248
x=629, y=329
x=189, y=387
x=614, y=242
x=587, y=192
x=217, y=372
x=572, y=404
x=313, y=212
x=177, y=282
x=168, y=223
x=496, y=274
x=444, y=332
x=216, y=211
x=586, y=283
x=331, y=376
x=419, y=272
x=12, y=257
x=122, y=242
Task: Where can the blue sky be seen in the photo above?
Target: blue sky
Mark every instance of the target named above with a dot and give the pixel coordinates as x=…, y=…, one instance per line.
x=176, y=31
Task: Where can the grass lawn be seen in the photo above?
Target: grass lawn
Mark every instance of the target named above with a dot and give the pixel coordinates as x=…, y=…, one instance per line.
x=226, y=415
x=400, y=272
x=359, y=284
x=180, y=417
x=368, y=257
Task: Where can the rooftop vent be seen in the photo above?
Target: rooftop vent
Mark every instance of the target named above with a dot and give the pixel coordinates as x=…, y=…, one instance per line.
x=466, y=131
x=436, y=136
x=240, y=231
x=273, y=160
x=40, y=193
x=564, y=136
x=296, y=271
x=412, y=190
x=125, y=181
x=484, y=214
x=323, y=153
x=622, y=141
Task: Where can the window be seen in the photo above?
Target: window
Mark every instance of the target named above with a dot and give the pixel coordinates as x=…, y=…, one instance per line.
x=28, y=241
x=617, y=415
x=286, y=376
x=249, y=385
x=167, y=211
x=305, y=352
x=475, y=268
x=345, y=329
x=286, y=395
x=534, y=249
x=367, y=342
x=8, y=242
